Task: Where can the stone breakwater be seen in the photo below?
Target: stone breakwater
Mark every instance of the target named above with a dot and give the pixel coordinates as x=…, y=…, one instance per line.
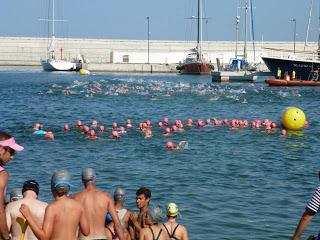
x=126, y=55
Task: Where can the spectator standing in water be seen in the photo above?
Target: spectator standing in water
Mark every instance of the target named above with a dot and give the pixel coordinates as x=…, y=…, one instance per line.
x=8, y=147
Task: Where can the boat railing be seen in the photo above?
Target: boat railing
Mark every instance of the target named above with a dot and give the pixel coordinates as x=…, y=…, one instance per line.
x=290, y=54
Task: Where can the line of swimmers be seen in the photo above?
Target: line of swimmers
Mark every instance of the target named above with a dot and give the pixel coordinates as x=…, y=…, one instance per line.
x=145, y=127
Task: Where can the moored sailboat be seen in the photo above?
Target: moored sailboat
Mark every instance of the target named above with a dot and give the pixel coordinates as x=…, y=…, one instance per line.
x=195, y=63
x=52, y=63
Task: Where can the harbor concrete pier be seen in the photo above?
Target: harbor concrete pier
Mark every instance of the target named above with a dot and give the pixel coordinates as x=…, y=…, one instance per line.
x=114, y=55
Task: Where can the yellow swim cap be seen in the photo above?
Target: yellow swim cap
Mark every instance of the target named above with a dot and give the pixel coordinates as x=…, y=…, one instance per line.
x=172, y=210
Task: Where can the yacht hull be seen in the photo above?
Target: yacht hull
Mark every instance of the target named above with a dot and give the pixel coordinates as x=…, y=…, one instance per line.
x=58, y=65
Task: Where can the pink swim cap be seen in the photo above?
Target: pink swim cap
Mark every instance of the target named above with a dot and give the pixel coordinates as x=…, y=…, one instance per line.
x=160, y=124
x=114, y=134
x=114, y=125
x=208, y=121
x=92, y=132
x=86, y=128
x=101, y=128
x=66, y=127
x=166, y=120
x=174, y=128
x=128, y=121
x=167, y=130
x=79, y=123
x=122, y=129
x=169, y=145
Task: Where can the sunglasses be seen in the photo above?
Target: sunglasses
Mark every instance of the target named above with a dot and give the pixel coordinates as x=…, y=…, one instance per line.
x=10, y=150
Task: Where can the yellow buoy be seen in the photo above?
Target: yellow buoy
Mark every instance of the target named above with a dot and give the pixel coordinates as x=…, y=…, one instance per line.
x=84, y=72
x=293, y=118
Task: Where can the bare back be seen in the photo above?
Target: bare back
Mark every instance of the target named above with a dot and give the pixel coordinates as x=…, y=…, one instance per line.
x=65, y=216
x=96, y=205
x=16, y=222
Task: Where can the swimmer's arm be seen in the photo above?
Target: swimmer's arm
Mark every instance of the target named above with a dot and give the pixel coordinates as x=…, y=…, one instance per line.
x=38, y=231
x=4, y=232
x=115, y=219
x=84, y=225
x=143, y=234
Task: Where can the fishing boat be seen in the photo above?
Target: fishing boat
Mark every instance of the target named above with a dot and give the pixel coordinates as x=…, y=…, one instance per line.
x=302, y=62
x=52, y=63
x=312, y=81
x=195, y=63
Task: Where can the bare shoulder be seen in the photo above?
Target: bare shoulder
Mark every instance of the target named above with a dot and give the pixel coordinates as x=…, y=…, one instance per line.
x=4, y=175
x=77, y=195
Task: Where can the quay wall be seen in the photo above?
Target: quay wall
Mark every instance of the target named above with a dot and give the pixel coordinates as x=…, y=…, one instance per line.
x=129, y=55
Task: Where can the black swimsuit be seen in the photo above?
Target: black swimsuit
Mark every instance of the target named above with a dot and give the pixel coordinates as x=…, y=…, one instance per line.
x=171, y=236
x=114, y=235
x=153, y=234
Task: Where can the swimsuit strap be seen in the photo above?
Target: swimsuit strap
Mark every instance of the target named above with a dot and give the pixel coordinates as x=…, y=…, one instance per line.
x=114, y=235
x=159, y=234
x=171, y=235
x=152, y=233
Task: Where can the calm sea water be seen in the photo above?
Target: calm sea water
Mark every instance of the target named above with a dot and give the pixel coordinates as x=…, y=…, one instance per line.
x=228, y=184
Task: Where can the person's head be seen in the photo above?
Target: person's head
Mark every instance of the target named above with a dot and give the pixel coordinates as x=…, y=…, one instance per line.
x=119, y=195
x=155, y=214
x=143, y=197
x=169, y=145
x=88, y=176
x=16, y=194
x=60, y=183
x=8, y=147
x=172, y=210
x=31, y=185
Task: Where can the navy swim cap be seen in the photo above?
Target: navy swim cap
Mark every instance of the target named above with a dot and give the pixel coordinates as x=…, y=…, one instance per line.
x=31, y=185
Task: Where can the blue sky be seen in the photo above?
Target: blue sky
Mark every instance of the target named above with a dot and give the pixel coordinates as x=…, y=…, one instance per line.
x=126, y=19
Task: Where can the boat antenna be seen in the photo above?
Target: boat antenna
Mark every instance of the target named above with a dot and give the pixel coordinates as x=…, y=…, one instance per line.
x=308, y=26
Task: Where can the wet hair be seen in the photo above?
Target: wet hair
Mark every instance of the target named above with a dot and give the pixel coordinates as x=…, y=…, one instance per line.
x=4, y=136
x=145, y=191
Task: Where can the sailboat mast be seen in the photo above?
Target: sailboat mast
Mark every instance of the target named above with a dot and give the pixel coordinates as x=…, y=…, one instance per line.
x=53, y=18
x=199, y=35
x=308, y=27
x=319, y=35
x=245, y=32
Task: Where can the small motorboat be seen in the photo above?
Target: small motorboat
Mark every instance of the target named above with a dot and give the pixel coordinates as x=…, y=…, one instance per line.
x=313, y=80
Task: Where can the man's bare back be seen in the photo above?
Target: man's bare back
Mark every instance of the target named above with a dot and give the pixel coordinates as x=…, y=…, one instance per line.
x=96, y=204
x=16, y=222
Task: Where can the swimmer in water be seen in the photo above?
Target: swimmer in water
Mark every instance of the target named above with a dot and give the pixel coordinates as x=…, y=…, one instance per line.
x=92, y=135
x=122, y=130
x=181, y=145
x=114, y=126
x=79, y=124
x=148, y=133
x=38, y=129
x=101, y=128
x=115, y=134
x=189, y=122
x=94, y=123
x=49, y=135
x=167, y=132
x=66, y=127
x=165, y=121
x=86, y=129
x=129, y=123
